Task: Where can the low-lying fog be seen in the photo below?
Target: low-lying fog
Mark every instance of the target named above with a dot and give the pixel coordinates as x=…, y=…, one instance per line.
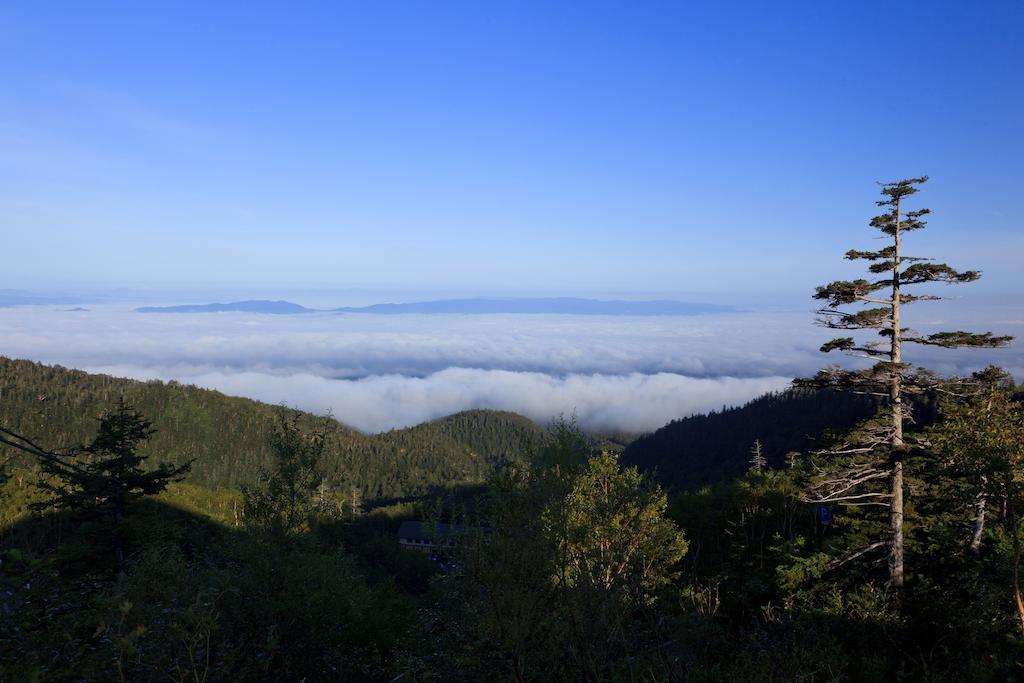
x=380, y=372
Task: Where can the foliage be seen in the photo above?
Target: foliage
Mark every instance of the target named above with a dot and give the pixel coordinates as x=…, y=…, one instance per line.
x=880, y=443
x=612, y=534
x=101, y=480
x=566, y=565
x=982, y=442
x=702, y=449
x=105, y=476
x=227, y=438
x=563, y=572
x=282, y=503
x=197, y=599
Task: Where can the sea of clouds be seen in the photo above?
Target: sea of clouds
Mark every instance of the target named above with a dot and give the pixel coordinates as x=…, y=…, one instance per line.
x=378, y=372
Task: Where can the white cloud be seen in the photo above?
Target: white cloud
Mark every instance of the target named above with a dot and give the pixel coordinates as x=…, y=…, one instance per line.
x=633, y=402
x=379, y=372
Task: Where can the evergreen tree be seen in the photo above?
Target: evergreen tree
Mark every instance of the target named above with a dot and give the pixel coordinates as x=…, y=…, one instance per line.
x=983, y=439
x=101, y=480
x=890, y=378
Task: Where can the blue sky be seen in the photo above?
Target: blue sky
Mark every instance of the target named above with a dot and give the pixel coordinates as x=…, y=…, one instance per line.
x=479, y=147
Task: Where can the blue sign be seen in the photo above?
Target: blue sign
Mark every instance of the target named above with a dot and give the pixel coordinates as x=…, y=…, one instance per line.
x=824, y=515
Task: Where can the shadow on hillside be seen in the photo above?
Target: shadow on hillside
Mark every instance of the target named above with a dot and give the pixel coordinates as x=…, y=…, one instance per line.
x=222, y=602
x=75, y=546
x=201, y=598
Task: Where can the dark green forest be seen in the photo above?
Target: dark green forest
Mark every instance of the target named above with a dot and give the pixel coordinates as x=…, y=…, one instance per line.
x=705, y=449
x=571, y=564
x=226, y=437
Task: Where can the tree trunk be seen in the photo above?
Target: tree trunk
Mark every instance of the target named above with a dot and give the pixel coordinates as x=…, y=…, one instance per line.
x=896, y=527
x=118, y=540
x=979, y=525
x=896, y=441
x=1015, y=537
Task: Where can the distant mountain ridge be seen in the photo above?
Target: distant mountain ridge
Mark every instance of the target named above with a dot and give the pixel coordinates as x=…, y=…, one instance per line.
x=562, y=305
x=471, y=306
x=250, y=306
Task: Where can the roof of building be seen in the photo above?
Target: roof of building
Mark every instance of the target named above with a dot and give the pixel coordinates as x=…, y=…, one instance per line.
x=413, y=530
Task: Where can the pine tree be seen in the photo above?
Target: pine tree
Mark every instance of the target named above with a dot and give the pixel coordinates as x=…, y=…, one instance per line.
x=101, y=480
x=758, y=463
x=890, y=378
x=983, y=438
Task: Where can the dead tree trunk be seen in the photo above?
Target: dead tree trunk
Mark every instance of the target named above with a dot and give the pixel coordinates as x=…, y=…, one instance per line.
x=978, y=526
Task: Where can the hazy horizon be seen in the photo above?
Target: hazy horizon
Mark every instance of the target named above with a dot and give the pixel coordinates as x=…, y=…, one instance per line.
x=374, y=372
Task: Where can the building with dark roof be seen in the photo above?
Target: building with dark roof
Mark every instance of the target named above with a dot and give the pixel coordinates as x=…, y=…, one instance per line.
x=425, y=537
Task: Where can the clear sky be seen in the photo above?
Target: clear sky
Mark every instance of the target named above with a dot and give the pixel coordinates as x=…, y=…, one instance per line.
x=712, y=146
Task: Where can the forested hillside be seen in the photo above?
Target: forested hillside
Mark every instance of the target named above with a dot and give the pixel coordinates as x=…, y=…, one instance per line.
x=227, y=436
x=706, y=449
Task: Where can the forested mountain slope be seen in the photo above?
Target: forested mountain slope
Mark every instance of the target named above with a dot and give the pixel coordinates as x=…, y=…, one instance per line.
x=709, y=448
x=227, y=436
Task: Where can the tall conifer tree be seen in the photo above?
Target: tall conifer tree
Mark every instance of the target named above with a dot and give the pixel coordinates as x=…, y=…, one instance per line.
x=101, y=480
x=890, y=377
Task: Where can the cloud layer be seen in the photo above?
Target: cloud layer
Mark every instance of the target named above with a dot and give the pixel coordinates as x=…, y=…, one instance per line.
x=376, y=373
x=633, y=402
